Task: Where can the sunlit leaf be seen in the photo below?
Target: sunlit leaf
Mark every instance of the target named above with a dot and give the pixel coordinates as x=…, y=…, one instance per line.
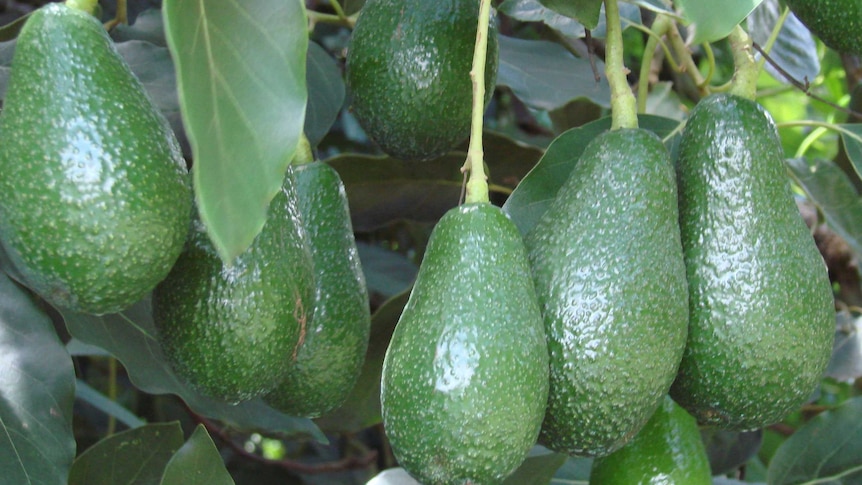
x=584, y=11
x=794, y=49
x=134, y=457
x=241, y=77
x=197, y=462
x=827, y=449
x=37, y=389
x=714, y=20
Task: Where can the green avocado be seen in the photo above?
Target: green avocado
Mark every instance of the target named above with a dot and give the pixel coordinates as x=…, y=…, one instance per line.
x=667, y=450
x=232, y=332
x=332, y=350
x=408, y=70
x=838, y=23
x=608, y=266
x=762, y=318
x=465, y=377
x=95, y=198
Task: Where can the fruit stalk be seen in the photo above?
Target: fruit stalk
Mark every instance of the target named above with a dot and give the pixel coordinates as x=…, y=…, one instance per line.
x=88, y=6
x=303, y=154
x=477, y=186
x=747, y=69
x=623, y=105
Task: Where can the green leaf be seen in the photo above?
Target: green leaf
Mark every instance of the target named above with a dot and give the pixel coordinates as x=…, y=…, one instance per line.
x=714, y=20
x=794, y=49
x=94, y=398
x=149, y=26
x=530, y=200
x=362, y=407
x=241, y=77
x=828, y=187
x=130, y=336
x=387, y=273
x=134, y=457
x=197, y=463
x=852, y=140
x=533, y=11
x=539, y=468
x=584, y=11
x=846, y=362
x=37, y=389
x=575, y=471
x=545, y=75
x=827, y=449
x=325, y=93
x=728, y=450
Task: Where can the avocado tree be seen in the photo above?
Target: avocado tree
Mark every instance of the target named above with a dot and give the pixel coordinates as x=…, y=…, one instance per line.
x=553, y=175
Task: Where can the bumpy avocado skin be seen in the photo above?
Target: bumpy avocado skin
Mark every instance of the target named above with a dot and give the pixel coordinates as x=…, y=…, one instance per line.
x=761, y=305
x=465, y=377
x=332, y=350
x=667, y=450
x=95, y=199
x=408, y=70
x=232, y=332
x=838, y=23
x=607, y=262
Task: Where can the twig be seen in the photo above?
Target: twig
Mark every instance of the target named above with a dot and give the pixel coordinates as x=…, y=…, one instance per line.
x=591, y=54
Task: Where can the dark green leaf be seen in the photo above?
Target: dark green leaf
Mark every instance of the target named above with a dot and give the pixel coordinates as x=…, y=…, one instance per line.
x=386, y=272
x=714, y=20
x=832, y=192
x=585, y=11
x=94, y=398
x=197, y=463
x=852, y=140
x=574, y=471
x=538, y=469
x=130, y=336
x=728, y=450
x=846, y=362
x=794, y=49
x=362, y=407
x=37, y=389
x=148, y=26
x=533, y=195
x=325, y=93
x=545, y=75
x=241, y=78
x=134, y=457
x=827, y=449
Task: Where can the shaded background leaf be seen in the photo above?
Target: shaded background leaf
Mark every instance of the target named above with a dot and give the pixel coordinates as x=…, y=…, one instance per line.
x=37, y=387
x=728, y=450
x=794, y=49
x=197, y=462
x=134, y=457
x=86, y=393
x=846, y=361
x=585, y=11
x=241, y=77
x=326, y=93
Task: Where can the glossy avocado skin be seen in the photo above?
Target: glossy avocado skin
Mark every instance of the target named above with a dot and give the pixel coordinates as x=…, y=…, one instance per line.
x=408, y=70
x=607, y=261
x=231, y=332
x=95, y=199
x=465, y=377
x=838, y=23
x=668, y=450
x=761, y=305
x=332, y=351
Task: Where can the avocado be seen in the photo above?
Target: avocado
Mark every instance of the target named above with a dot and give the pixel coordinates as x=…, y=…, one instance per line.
x=408, y=71
x=231, y=332
x=95, y=198
x=838, y=23
x=333, y=348
x=607, y=261
x=465, y=377
x=667, y=450
x=762, y=315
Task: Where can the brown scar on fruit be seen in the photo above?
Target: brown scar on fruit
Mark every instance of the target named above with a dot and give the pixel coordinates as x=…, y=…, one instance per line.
x=302, y=317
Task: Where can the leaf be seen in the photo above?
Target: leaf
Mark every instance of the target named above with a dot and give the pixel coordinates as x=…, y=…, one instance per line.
x=575, y=470
x=530, y=200
x=37, y=389
x=130, y=336
x=197, y=462
x=241, y=77
x=325, y=93
x=137, y=456
x=794, y=49
x=846, y=362
x=852, y=140
x=538, y=468
x=533, y=11
x=393, y=476
x=362, y=407
x=728, y=450
x=828, y=187
x=657, y=6
x=94, y=398
x=387, y=273
x=827, y=449
x=584, y=11
x=149, y=26
x=545, y=75
x=714, y=20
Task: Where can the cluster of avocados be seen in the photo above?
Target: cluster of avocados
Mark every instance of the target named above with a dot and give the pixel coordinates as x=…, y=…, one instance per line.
x=651, y=295
x=100, y=212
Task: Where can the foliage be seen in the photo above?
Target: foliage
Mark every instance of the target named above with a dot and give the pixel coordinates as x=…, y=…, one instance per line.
x=274, y=69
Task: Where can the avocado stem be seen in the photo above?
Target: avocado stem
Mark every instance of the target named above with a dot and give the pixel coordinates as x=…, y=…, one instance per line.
x=623, y=105
x=121, y=17
x=88, y=6
x=303, y=154
x=658, y=29
x=747, y=70
x=477, y=185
